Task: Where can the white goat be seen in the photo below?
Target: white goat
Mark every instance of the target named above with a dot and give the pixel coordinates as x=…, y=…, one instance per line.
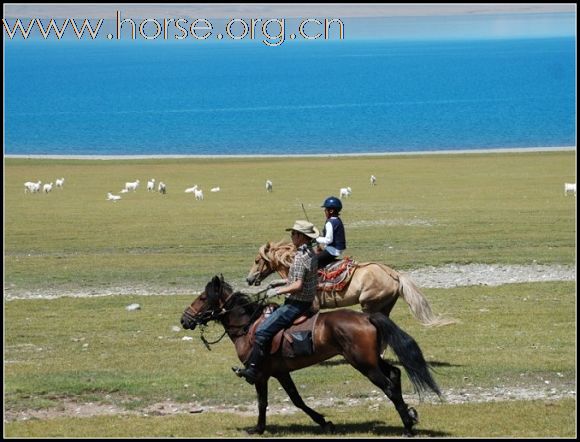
x=569, y=187
x=132, y=186
x=31, y=187
x=345, y=192
x=198, y=194
x=162, y=188
x=111, y=197
x=47, y=187
x=151, y=185
x=215, y=189
x=373, y=180
x=268, y=186
x=59, y=182
x=191, y=189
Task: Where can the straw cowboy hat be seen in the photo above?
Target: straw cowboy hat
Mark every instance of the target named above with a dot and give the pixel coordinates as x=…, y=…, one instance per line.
x=306, y=228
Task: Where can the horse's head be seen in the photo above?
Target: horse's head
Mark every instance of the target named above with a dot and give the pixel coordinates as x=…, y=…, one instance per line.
x=208, y=305
x=262, y=266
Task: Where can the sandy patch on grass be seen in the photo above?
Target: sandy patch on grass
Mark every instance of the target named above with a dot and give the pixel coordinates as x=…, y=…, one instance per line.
x=449, y=276
x=375, y=399
x=455, y=275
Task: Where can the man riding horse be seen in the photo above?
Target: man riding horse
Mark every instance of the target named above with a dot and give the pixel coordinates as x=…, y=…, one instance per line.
x=299, y=289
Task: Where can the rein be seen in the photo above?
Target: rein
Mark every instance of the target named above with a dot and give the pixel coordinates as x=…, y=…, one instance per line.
x=205, y=341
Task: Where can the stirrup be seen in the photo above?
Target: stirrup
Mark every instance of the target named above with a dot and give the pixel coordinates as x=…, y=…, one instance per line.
x=243, y=373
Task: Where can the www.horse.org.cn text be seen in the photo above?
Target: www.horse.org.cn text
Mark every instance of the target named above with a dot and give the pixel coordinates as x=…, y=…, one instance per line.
x=271, y=31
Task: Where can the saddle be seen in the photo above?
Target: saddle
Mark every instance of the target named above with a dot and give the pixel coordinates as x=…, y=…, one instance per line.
x=336, y=276
x=291, y=340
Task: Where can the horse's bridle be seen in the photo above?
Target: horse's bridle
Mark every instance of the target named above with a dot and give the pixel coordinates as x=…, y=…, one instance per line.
x=214, y=314
x=209, y=313
x=199, y=318
x=261, y=272
x=203, y=317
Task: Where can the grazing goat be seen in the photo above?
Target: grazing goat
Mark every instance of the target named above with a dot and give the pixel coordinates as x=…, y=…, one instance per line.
x=191, y=189
x=31, y=187
x=151, y=185
x=132, y=186
x=198, y=194
x=373, y=180
x=47, y=187
x=268, y=186
x=215, y=189
x=345, y=192
x=162, y=188
x=111, y=197
x=569, y=187
x=59, y=182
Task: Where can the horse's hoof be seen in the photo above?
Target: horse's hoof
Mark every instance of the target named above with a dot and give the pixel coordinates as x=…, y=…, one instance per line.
x=413, y=415
x=407, y=432
x=328, y=427
x=255, y=430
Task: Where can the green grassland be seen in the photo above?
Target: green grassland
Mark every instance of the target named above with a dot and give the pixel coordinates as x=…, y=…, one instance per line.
x=425, y=211
x=505, y=208
x=93, y=350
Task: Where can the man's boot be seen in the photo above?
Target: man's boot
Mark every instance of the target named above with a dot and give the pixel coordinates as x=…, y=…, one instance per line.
x=250, y=373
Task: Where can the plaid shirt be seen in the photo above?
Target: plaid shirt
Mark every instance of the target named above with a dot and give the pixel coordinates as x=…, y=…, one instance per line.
x=304, y=267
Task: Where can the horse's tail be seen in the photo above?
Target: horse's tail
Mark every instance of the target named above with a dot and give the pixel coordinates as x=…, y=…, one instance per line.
x=419, y=305
x=408, y=352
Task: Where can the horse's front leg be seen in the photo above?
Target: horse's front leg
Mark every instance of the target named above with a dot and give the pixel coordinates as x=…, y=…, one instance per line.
x=290, y=388
x=262, y=392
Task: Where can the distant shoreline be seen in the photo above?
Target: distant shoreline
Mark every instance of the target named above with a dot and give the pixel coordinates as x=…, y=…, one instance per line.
x=322, y=155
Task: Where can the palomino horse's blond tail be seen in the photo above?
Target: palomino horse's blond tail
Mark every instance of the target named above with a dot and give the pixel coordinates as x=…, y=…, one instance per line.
x=418, y=304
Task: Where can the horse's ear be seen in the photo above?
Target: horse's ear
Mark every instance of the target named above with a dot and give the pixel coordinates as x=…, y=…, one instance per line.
x=216, y=283
x=222, y=278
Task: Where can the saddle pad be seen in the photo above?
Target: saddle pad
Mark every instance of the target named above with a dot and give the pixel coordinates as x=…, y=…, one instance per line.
x=300, y=324
x=287, y=348
x=335, y=277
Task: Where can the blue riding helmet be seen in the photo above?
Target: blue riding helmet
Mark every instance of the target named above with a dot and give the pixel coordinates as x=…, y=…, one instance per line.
x=332, y=202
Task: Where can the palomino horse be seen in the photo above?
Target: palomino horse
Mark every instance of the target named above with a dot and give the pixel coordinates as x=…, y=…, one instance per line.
x=357, y=336
x=374, y=286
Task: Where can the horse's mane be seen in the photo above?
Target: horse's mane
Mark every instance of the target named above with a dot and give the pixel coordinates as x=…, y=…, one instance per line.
x=239, y=299
x=234, y=299
x=212, y=295
x=245, y=301
x=278, y=254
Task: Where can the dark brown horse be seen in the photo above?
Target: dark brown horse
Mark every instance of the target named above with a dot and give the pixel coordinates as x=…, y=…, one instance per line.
x=357, y=336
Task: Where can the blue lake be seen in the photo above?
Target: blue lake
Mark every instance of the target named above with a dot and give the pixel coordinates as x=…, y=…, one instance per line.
x=129, y=98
